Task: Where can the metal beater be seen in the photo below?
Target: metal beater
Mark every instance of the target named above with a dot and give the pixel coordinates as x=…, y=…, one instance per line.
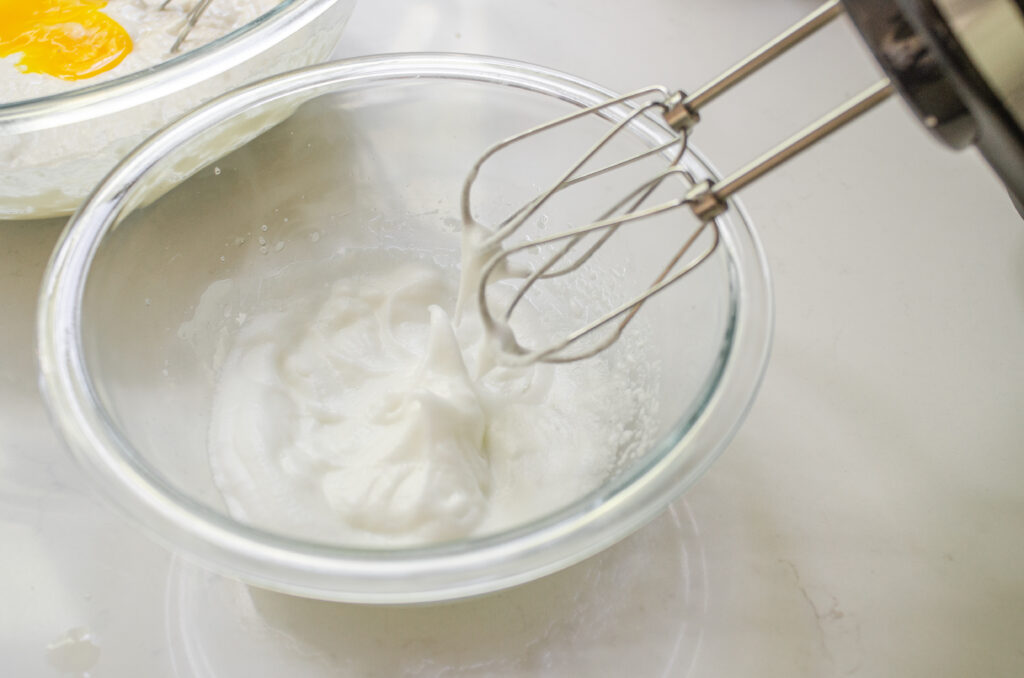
x=959, y=64
x=191, y=19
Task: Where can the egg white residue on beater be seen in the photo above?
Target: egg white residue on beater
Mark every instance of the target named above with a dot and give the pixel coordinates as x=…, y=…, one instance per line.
x=368, y=416
x=153, y=32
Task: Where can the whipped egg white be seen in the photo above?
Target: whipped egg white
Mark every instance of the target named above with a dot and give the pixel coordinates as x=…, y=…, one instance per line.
x=368, y=416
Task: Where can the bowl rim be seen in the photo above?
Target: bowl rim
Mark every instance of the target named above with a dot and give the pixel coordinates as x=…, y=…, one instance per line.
x=406, y=575
x=167, y=77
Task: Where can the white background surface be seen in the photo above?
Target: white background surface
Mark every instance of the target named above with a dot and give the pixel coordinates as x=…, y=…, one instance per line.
x=868, y=519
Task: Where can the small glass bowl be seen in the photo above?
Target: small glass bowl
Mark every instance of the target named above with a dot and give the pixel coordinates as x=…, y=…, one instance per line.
x=55, y=149
x=128, y=371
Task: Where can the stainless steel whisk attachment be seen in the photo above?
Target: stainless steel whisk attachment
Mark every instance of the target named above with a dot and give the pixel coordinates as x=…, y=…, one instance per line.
x=191, y=19
x=911, y=40
x=706, y=200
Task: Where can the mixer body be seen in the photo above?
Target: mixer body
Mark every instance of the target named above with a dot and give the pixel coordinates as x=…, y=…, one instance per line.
x=959, y=65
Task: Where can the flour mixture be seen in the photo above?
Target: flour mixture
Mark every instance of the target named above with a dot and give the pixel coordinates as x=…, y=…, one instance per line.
x=51, y=46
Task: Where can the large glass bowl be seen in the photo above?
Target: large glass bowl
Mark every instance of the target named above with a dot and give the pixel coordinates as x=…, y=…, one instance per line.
x=129, y=362
x=55, y=149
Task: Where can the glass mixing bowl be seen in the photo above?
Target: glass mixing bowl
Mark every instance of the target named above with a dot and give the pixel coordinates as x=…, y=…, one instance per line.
x=153, y=277
x=55, y=149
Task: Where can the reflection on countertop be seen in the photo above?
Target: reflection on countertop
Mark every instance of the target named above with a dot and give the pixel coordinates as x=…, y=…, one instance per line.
x=636, y=609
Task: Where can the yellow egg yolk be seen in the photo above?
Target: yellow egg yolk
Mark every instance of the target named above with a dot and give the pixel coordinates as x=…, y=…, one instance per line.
x=68, y=39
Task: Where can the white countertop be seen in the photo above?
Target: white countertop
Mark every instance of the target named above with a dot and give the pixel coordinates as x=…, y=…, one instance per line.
x=867, y=520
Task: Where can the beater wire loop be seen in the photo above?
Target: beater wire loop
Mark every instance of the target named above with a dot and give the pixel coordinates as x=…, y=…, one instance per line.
x=191, y=19
x=706, y=199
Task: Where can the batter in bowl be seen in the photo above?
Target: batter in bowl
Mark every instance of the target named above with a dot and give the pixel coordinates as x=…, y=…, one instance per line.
x=52, y=46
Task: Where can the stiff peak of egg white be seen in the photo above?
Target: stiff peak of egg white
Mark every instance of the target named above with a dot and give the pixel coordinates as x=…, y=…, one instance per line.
x=421, y=468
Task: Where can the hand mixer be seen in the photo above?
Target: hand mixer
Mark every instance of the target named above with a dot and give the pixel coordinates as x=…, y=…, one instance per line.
x=959, y=64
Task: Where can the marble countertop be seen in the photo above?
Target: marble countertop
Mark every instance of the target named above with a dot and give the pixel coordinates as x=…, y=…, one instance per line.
x=867, y=520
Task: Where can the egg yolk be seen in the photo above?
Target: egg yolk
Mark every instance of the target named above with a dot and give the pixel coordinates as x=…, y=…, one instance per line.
x=68, y=39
